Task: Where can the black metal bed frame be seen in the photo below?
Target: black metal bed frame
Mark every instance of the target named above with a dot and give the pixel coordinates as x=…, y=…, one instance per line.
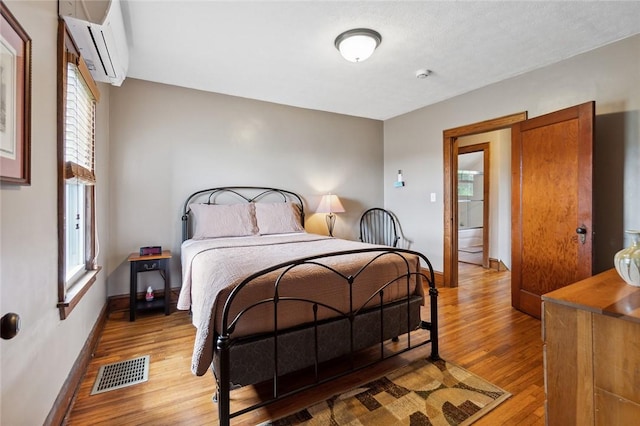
x=249, y=194
x=225, y=342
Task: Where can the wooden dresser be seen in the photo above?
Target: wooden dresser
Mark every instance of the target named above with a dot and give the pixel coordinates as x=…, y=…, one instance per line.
x=591, y=334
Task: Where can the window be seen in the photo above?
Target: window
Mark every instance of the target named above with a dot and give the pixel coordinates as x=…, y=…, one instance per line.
x=74, y=233
x=77, y=238
x=465, y=183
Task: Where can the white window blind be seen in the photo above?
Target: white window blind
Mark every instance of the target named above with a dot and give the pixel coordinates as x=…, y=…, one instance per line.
x=79, y=130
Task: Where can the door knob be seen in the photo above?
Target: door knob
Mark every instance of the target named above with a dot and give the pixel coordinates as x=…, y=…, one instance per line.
x=582, y=233
x=9, y=325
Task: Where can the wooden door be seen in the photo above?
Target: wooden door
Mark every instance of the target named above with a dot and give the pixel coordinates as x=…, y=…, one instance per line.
x=551, y=205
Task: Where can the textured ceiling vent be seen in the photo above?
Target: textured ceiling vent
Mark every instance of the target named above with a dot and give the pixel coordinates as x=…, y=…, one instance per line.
x=121, y=374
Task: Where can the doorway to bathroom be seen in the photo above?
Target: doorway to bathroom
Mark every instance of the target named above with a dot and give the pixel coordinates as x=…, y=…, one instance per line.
x=473, y=204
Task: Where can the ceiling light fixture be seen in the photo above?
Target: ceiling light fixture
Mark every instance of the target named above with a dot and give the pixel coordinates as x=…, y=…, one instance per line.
x=358, y=44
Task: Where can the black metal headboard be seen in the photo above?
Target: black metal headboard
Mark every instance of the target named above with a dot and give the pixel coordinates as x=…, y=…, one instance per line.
x=235, y=194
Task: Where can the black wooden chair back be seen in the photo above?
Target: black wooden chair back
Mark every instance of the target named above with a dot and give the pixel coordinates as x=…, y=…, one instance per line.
x=378, y=226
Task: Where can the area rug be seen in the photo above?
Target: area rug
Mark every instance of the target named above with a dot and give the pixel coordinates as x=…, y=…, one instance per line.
x=422, y=393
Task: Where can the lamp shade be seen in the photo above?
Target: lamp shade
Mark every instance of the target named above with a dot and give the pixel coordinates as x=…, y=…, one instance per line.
x=358, y=44
x=330, y=203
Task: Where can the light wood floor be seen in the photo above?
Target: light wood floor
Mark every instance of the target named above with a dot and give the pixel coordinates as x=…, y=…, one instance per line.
x=478, y=331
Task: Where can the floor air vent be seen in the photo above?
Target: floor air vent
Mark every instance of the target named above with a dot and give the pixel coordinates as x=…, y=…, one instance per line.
x=122, y=374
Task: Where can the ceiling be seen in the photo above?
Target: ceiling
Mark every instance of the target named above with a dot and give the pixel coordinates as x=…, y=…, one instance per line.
x=283, y=51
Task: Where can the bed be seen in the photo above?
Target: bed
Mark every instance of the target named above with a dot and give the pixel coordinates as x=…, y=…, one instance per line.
x=270, y=300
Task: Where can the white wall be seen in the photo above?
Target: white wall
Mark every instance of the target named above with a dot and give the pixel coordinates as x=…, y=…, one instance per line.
x=610, y=75
x=35, y=363
x=168, y=142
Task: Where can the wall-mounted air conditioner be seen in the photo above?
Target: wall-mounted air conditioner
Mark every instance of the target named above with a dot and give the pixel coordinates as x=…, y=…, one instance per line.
x=97, y=27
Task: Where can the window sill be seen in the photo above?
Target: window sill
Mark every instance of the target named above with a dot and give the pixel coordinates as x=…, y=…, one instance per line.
x=77, y=290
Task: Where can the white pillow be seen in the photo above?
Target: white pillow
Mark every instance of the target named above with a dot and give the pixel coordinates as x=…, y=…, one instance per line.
x=278, y=218
x=220, y=220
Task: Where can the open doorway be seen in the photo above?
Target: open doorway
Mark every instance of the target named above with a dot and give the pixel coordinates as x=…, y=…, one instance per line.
x=473, y=204
x=451, y=147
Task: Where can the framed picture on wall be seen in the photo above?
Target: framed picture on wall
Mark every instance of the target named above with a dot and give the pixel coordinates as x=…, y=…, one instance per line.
x=15, y=100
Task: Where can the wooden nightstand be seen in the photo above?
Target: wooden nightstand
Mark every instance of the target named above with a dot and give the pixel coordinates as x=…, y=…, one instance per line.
x=160, y=263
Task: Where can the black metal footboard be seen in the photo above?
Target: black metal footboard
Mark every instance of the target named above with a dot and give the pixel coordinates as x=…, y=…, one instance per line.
x=325, y=339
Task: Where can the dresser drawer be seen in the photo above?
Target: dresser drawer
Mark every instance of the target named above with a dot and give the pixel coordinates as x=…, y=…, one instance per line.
x=149, y=265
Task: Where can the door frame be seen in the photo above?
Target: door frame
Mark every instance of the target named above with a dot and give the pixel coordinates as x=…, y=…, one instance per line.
x=450, y=197
x=485, y=149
